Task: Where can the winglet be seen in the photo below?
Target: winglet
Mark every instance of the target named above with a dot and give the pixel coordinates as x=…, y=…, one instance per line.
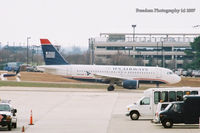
x=45, y=41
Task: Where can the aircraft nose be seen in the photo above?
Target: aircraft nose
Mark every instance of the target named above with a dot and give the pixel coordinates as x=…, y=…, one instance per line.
x=178, y=79
x=175, y=79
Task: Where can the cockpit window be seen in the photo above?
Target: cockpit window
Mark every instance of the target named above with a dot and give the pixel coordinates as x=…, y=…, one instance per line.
x=169, y=73
x=4, y=107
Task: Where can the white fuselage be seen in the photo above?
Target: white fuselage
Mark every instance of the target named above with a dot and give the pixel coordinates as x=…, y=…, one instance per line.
x=140, y=73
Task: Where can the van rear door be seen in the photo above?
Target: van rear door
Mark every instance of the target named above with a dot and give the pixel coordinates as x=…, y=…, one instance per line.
x=191, y=109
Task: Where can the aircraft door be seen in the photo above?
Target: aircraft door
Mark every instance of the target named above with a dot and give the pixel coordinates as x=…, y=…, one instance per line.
x=158, y=72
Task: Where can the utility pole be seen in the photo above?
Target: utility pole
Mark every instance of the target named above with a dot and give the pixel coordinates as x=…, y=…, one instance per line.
x=133, y=32
x=176, y=60
x=163, y=61
x=157, y=54
x=27, y=49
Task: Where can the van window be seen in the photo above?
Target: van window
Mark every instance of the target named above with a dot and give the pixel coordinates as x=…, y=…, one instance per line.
x=179, y=96
x=186, y=92
x=177, y=107
x=163, y=106
x=156, y=97
x=145, y=101
x=172, y=96
x=164, y=96
x=194, y=92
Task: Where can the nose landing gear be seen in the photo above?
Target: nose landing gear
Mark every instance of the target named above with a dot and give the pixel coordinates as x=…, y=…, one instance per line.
x=111, y=88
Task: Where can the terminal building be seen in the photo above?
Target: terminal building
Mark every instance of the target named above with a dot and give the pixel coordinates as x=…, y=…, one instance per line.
x=161, y=49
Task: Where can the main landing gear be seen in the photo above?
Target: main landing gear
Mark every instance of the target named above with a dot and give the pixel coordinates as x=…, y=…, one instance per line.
x=157, y=85
x=111, y=88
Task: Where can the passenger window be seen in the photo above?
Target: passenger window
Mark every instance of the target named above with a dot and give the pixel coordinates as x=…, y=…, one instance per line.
x=194, y=92
x=186, y=92
x=172, y=96
x=163, y=106
x=179, y=96
x=178, y=108
x=164, y=96
x=156, y=97
x=145, y=101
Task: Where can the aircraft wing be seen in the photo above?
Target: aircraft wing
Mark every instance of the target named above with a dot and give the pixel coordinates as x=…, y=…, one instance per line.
x=110, y=77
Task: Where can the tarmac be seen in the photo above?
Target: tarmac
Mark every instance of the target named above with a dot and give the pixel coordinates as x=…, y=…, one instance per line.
x=70, y=110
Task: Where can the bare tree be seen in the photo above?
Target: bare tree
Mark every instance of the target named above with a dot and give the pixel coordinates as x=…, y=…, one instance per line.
x=82, y=58
x=120, y=59
x=18, y=54
x=172, y=64
x=152, y=62
x=139, y=62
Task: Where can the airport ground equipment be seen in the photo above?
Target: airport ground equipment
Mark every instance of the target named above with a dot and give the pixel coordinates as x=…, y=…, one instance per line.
x=187, y=112
x=7, y=115
x=146, y=106
x=17, y=75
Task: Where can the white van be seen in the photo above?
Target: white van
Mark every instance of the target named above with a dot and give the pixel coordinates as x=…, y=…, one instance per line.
x=160, y=107
x=146, y=106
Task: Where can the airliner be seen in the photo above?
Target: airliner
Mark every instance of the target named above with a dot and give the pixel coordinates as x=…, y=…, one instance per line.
x=128, y=77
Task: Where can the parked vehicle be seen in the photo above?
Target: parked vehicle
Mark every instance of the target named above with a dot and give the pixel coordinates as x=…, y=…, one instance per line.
x=187, y=111
x=179, y=73
x=7, y=115
x=32, y=69
x=160, y=107
x=196, y=73
x=189, y=72
x=12, y=66
x=184, y=73
x=146, y=106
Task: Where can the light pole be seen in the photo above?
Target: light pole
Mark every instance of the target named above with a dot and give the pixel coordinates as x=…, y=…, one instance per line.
x=176, y=60
x=157, y=54
x=133, y=32
x=33, y=48
x=163, y=57
x=27, y=49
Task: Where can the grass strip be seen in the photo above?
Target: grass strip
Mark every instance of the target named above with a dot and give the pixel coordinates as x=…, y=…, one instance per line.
x=61, y=85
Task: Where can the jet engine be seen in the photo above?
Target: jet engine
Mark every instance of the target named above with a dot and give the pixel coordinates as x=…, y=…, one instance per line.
x=130, y=84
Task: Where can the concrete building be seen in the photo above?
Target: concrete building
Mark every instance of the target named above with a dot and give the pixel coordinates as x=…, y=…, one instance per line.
x=164, y=49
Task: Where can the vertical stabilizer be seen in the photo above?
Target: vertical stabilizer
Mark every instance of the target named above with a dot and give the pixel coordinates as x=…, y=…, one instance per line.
x=51, y=55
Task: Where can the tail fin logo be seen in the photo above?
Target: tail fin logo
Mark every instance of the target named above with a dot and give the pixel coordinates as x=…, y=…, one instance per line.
x=50, y=54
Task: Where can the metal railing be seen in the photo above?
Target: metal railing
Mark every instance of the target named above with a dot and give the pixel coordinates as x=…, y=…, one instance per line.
x=146, y=37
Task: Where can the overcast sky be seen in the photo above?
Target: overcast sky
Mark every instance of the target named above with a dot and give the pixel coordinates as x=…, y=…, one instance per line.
x=73, y=22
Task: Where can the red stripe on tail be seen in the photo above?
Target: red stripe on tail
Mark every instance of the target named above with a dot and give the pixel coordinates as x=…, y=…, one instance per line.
x=45, y=41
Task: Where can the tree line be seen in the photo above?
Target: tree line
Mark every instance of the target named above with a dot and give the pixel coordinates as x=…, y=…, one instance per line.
x=194, y=52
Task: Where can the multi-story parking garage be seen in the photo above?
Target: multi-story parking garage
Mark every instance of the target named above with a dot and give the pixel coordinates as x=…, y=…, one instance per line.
x=163, y=49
